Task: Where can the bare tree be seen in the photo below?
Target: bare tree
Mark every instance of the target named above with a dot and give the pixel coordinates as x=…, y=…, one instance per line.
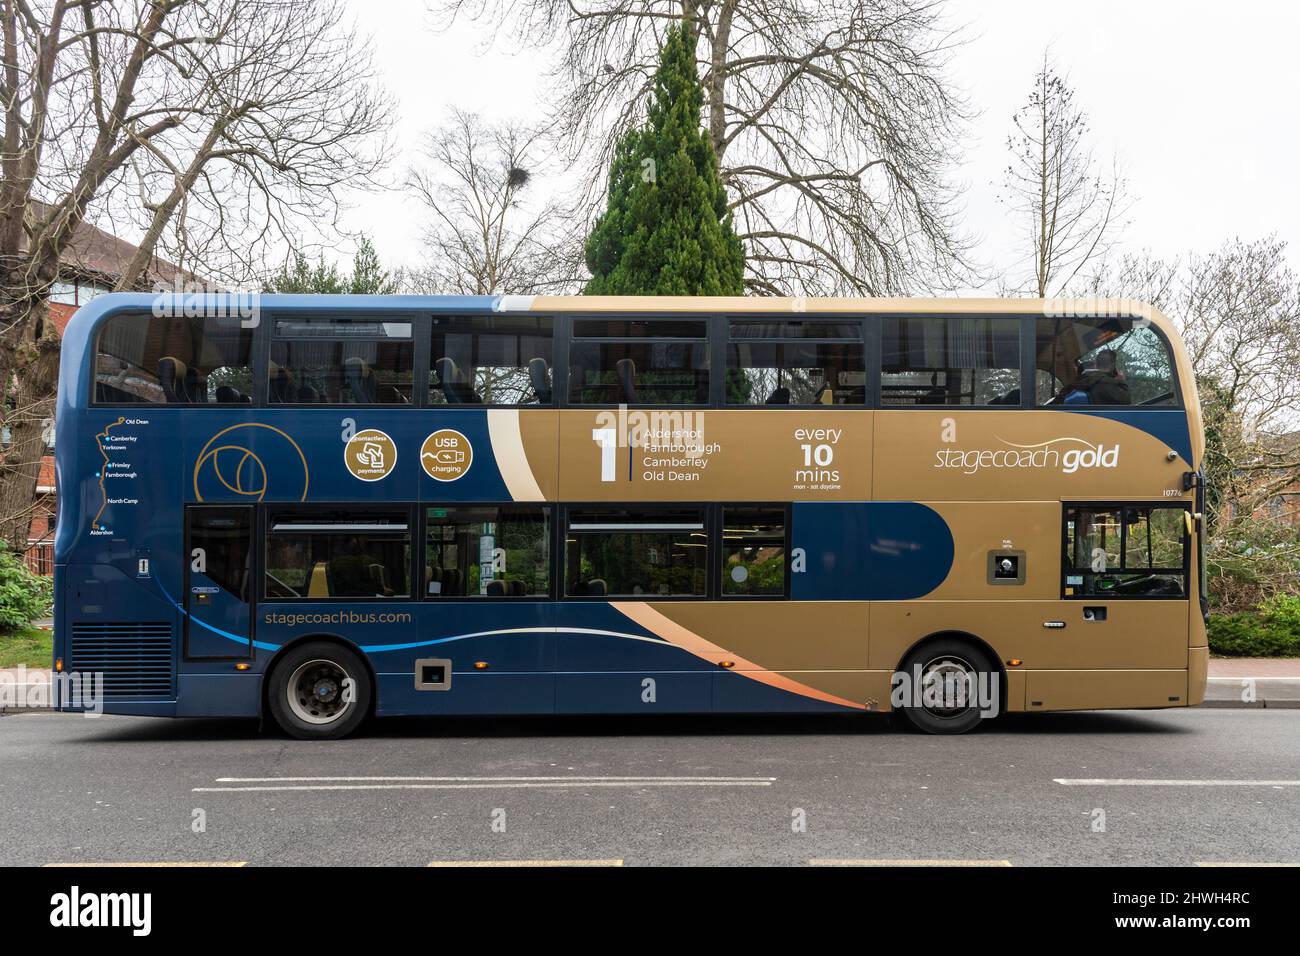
x=1068, y=209
x=168, y=93
x=833, y=123
x=489, y=231
x=287, y=111
x=1238, y=309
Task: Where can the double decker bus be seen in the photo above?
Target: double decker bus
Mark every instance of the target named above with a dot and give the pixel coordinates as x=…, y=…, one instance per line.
x=322, y=508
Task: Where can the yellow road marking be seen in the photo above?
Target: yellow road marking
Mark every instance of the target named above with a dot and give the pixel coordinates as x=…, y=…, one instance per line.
x=160, y=863
x=824, y=862
x=454, y=863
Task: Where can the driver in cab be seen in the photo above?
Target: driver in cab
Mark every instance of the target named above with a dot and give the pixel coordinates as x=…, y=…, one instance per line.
x=1103, y=384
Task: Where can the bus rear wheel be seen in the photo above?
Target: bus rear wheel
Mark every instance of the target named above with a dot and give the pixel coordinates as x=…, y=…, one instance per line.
x=319, y=691
x=951, y=686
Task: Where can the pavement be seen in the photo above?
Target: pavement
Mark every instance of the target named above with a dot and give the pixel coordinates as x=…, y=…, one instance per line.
x=1170, y=787
x=1233, y=682
x=1253, y=682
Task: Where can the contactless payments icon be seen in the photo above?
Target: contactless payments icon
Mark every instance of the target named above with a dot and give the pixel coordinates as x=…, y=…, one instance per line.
x=370, y=454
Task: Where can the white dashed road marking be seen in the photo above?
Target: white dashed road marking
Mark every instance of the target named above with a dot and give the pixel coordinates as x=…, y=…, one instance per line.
x=909, y=862
x=259, y=784
x=459, y=863
x=1129, y=782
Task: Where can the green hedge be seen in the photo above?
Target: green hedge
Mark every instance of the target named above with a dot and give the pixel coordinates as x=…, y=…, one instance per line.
x=1272, y=630
x=23, y=596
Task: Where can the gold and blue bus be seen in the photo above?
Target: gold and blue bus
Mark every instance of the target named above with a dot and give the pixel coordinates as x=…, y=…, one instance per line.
x=323, y=508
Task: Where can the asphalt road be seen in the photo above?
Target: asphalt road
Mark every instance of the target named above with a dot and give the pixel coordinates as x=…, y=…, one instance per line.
x=656, y=791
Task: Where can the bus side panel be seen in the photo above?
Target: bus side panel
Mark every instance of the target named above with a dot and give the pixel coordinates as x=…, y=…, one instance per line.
x=1136, y=634
x=609, y=661
x=502, y=658
x=1198, y=667
x=470, y=693
x=118, y=631
x=1100, y=690
x=818, y=692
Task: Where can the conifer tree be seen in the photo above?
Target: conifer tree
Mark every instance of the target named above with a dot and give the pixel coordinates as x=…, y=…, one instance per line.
x=666, y=229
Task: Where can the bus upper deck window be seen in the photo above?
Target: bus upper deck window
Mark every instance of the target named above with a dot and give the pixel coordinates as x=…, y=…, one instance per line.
x=147, y=359
x=784, y=362
x=634, y=361
x=341, y=361
x=949, y=361
x=490, y=360
x=1102, y=361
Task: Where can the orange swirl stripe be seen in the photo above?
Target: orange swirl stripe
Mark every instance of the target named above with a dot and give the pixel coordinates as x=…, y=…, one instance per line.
x=688, y=640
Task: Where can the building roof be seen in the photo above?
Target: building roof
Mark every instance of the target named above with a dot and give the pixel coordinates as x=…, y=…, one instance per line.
x=96, y=255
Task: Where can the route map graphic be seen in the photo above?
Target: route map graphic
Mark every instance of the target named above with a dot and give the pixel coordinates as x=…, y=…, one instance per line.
x=103, y=472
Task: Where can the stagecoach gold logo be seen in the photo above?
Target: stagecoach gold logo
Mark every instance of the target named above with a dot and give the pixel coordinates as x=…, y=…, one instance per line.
x=370, y=454
x=1070, y=455
x=446, y=455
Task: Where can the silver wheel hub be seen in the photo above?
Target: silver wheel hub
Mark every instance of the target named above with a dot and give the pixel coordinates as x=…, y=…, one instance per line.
x=949, y=686
x=315, y=692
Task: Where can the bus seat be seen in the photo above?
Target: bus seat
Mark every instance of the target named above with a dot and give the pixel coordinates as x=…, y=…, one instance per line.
x=360, y=380
x=779, y=396
x=171, y=376
x=496, y=588
x=380, y=577
x=450, y=582
x=318, y=586
x=1077, y=397
x=455, y=388
x=540, y=377
x=229, y=395
x=597, y=587
x=517, y=589
x=625, y=368
x=282, y=387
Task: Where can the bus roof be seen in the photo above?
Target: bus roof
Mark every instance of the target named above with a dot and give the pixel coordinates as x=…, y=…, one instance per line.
x=1048, y=308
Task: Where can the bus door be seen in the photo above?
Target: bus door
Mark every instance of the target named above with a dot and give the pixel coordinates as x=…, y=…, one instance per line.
x=1119, y=635
x=219, y=582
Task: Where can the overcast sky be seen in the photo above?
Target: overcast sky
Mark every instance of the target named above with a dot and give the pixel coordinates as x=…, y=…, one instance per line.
x=1197, y=100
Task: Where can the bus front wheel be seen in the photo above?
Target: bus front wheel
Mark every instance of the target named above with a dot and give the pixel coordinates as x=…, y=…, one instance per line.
x=319, y=691
x=950, y=686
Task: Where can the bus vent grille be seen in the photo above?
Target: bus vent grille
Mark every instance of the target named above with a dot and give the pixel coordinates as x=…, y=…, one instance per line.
x=135, y=659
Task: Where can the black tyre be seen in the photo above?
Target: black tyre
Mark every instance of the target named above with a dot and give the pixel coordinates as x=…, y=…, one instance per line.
x=319, y=691
x=951, y=686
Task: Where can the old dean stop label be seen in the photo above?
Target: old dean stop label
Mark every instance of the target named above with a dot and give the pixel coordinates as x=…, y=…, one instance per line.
x=446, y=455
x=370, y=455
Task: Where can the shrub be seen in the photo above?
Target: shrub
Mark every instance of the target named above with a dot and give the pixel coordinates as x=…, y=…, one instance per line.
x=1272, y=630
x=23, y=596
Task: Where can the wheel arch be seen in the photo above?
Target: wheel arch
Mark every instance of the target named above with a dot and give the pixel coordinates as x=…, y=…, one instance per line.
x=324, y=637
x=980, y=644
